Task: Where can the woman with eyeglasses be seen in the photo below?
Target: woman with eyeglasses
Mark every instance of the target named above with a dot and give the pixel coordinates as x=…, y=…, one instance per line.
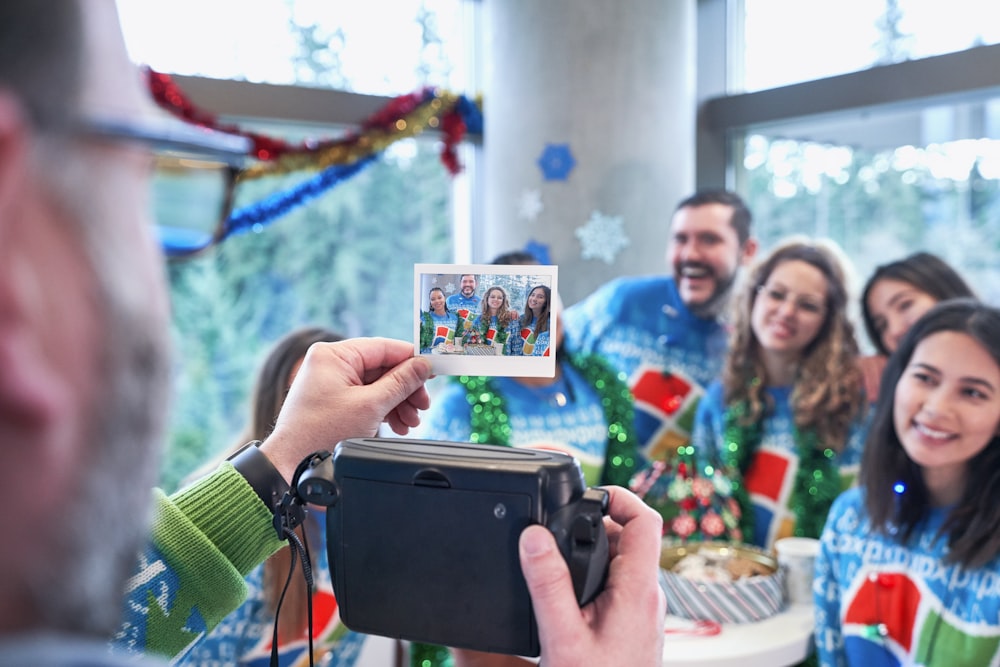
x=785, y=419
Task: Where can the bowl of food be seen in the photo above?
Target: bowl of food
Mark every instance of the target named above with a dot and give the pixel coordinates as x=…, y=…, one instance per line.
x=727, y=582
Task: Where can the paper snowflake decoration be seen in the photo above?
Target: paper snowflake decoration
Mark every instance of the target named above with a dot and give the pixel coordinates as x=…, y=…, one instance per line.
x=530, y=205
x=449, y=288
x=556, y=161
x=602, y=237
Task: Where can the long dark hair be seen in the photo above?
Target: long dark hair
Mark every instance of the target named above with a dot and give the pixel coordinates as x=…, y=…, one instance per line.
x=543, y=317
x=971, y=526
x=273, y=381
x=924, y=271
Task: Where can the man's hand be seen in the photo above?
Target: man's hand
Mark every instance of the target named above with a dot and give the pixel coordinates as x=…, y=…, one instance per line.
x=623, y=626
x=345, y=390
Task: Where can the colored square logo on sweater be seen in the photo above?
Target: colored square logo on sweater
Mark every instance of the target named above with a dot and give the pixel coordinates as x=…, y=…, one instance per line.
x=769, y=475
x=664, y=391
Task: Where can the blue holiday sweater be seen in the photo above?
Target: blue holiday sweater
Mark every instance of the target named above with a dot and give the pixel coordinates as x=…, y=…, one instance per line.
x=641, y=326
x=244, y=637
x=437, y=330
x=205, y=539
x=525, y=342
x=459, y=301
x=931, y=613
x=576, y=427
x=771, y=476
x=493, y=333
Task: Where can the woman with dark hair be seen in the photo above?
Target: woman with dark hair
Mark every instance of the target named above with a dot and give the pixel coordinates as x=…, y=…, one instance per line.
x=438, y=325
x=898, y=293
x=785, y=419
x=585, y=409
x=533, y=334
x=245, y=635
x=909, y=562
x=895, y=297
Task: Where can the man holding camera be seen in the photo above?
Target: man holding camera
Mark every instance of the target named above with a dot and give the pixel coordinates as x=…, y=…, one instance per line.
x=84, y=384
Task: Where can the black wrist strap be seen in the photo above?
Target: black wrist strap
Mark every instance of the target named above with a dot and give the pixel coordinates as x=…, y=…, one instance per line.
x=260, y=473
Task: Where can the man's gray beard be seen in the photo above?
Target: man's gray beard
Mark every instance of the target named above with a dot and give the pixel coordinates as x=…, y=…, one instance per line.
x=717, y=304
x=78, y=583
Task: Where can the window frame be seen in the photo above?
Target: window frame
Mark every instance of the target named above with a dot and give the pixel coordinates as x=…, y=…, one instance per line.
x=915, y=85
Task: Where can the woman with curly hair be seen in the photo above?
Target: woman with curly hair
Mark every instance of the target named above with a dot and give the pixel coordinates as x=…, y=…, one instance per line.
x=785, y=419
x=495, y=323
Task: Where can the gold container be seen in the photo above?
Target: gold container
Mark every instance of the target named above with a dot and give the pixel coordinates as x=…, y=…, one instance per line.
x=744, y=600
x=673, y=551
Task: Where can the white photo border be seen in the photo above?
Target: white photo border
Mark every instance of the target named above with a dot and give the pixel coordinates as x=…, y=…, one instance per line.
x=510, y=366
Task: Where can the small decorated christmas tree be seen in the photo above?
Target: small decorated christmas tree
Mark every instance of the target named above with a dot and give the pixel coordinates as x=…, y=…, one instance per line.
x=695, y=507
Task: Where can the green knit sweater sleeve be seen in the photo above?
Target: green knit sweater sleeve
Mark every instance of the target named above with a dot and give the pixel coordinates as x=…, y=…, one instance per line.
x=227, y=511
x=205, y=539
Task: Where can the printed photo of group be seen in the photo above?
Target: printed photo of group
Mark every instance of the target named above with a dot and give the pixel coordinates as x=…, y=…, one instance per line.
x=485, y=319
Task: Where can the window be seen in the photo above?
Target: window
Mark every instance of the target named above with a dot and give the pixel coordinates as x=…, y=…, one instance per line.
x=885, y=139
x=790, y=41
x=342, y=260
x=882, y=201
x=376, y=47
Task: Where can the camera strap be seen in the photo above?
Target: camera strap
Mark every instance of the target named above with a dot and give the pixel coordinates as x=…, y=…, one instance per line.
x=298, y=548
x=289, y=513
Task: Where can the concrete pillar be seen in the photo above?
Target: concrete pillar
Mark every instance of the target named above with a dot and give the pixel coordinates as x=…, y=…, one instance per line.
x=615, y=81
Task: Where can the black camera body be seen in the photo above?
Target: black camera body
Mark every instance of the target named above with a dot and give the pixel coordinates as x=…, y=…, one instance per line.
x=422, y=537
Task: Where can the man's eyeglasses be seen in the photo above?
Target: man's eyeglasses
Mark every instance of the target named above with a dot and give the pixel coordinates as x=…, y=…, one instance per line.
x=194, y=178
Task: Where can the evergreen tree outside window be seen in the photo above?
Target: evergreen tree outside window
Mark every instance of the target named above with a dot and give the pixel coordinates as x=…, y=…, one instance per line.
x=344, y=260
x=883, y=180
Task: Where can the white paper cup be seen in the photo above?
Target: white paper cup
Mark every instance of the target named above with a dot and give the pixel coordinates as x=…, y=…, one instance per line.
x=797, y=556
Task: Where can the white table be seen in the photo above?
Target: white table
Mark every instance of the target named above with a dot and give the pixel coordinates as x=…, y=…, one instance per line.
x=783, y=639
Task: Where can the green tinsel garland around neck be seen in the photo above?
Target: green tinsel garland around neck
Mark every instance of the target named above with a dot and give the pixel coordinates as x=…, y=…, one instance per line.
x=491, y=423
x=816, y=483
x=426, y=329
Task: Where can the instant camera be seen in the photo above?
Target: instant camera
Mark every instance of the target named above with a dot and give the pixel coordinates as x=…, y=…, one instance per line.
x=423, y=537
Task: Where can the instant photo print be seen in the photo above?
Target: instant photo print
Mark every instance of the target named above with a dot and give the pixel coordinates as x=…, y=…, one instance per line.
x=486, y=319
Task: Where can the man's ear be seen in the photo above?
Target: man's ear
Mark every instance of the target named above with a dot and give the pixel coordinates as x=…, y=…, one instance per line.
x=14, y=132
x=26, y=400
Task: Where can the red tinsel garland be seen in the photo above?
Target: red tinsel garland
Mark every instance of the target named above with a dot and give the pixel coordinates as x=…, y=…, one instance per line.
x=453, y=128
x=169, y=95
